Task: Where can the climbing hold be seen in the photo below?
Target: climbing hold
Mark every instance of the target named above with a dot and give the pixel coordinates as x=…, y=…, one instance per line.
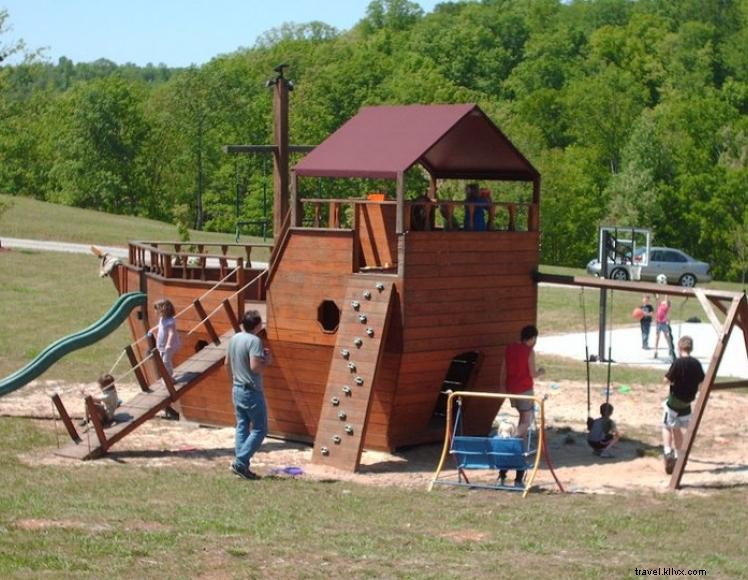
x=345, y=353
x=335, y=401
x=352, y=366
x=336, y=439
x=359, y=381
x=379, y=286
x=362, y=318
x=324, y=450
x=347, y=390
x=355, y=304
x=342, y=415
x=367, y=294
x=349, y=429
x=358, y=342
x=370, y=332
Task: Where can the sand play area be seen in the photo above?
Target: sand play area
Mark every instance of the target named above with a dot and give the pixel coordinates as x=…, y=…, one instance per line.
x=719, y=457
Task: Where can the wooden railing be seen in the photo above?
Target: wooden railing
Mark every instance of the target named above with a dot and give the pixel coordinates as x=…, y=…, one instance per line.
x=197, y=261
x=328, y=213
x=428, y=215
x=443, y=215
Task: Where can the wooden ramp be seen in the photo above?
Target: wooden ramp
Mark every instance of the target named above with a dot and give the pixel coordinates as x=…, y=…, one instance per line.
x=146, y=405
x=353, y=369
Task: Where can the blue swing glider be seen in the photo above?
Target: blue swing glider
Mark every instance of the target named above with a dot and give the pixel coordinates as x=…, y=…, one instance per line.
x=490, y=453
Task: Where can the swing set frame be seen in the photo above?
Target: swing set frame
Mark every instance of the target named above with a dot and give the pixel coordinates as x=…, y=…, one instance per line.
x=734, y=307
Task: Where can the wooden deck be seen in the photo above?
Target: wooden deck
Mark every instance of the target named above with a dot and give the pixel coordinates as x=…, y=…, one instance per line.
x=146, y=405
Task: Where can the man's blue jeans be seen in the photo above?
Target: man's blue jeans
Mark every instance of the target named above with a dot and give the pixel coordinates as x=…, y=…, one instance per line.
x=251, y=423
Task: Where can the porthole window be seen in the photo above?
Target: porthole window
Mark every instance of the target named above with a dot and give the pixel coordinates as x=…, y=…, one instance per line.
x=328, y=316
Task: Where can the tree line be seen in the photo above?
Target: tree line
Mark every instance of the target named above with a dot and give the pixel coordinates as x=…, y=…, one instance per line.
x=634, y=112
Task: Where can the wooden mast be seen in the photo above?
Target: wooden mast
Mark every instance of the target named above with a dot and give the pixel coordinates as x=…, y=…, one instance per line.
x=281, y=87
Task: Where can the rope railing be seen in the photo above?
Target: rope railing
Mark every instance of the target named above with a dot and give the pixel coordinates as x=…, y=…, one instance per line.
x=231, y=297
x=202, y=320
x=186, y=308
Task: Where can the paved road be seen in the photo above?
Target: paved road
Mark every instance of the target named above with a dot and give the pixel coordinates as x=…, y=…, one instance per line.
x=48, y=246
x=626, y=347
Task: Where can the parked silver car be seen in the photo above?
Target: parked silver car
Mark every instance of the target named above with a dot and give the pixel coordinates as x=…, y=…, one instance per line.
x=678, y=267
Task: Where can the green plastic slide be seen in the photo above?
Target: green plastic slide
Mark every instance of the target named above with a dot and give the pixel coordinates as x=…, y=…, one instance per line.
x=117, y=314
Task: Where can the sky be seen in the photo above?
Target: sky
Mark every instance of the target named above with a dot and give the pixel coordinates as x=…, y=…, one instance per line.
x=174, y=32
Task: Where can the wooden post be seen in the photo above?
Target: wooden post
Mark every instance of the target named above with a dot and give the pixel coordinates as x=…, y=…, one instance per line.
x=400, y=196
x=136, y=369
x=470, y=209
x=165, y=376
x=230, y=315
x=296, y=212
x=93, y=417
x=280, y=159
x=66, y=418
x=317, y=210
x=491, y=226
x=206, y=321
x=432, y=188
x=512, y=223
x=399, y=225
x=334, y=218
x=429, y=211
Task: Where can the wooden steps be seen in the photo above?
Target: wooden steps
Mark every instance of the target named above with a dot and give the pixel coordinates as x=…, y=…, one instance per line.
x=146, y=405
x=353, y=369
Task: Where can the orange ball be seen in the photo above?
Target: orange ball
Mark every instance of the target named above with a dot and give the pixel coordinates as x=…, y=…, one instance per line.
x=637, y=313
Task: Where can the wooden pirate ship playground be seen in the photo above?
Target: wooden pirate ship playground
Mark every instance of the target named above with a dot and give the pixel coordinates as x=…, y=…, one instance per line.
x=374, y=306
x=366, y=319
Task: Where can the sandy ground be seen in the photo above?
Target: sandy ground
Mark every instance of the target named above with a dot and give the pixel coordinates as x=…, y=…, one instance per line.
x=719, y=457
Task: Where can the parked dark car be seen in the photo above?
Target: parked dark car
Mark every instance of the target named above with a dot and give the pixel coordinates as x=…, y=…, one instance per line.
x=677, y=266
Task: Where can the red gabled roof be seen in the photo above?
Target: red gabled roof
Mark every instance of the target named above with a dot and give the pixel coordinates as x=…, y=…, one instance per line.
x=449, y=141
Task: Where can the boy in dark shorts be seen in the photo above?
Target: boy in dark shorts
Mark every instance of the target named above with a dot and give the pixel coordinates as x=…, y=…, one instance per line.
x=684, y=377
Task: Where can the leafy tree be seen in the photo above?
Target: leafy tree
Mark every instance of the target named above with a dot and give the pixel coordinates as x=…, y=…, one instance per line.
x=99, y=159
x=634, y=112
x=601, y=111
x=394, y=15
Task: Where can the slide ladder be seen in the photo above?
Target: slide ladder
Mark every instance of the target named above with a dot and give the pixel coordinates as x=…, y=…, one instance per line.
x=353, y=369
x=144, y=406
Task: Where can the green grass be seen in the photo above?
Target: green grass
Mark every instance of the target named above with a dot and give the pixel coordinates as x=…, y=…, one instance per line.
x=32, y=219
x=121, y=521
x=47, y=295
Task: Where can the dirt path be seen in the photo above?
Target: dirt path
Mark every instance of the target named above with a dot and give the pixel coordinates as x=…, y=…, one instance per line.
x=719, y=457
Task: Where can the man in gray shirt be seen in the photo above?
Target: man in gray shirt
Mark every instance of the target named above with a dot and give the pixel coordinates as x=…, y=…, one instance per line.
x=246, y=360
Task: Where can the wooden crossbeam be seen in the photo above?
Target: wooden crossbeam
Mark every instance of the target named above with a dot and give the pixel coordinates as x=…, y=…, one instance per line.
x=629, y=286
x=730, y=385
x=708, y=310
